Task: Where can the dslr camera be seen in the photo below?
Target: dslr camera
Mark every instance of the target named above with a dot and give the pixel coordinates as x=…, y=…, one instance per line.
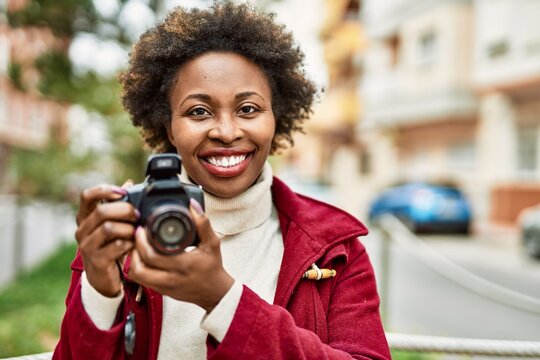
x=163, y=202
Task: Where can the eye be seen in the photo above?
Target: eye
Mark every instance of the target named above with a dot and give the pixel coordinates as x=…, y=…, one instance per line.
x=247, y=109
x=199, y=111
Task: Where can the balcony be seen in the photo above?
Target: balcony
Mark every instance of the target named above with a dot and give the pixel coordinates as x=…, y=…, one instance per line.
x=398, y=108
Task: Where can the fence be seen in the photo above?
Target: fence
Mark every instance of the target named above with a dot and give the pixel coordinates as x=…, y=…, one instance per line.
x=29, y=232
x=431, y=344
x=394, y=231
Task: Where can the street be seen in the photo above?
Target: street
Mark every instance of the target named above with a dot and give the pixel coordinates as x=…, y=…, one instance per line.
x=422, y=301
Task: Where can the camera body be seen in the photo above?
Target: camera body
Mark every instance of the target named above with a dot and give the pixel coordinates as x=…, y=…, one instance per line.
x=163, y=202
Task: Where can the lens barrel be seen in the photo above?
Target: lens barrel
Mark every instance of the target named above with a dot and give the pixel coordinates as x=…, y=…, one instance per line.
x=170, y=229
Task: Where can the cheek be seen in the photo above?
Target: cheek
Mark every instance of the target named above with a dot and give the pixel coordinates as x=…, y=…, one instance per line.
x=265, y=133
x=185, y=138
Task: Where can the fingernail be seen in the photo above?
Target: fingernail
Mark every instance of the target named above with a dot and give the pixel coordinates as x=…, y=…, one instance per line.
x=196, y=206
x=119, y=191
x=136, y=230
x=137, y=214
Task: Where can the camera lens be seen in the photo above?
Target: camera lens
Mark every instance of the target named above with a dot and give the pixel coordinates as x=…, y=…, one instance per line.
x=171, y=231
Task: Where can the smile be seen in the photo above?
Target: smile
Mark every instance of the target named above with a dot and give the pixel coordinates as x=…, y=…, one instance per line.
x=225, y=161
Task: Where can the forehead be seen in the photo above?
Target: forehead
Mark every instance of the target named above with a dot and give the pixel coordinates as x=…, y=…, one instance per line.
x=220, y=71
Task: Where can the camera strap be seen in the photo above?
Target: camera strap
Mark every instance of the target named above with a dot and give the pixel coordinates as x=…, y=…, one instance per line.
x=130, y=326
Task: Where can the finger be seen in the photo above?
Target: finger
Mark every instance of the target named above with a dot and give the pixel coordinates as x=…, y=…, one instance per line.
x=127, y=184
x=116, y=211
x=202, y=224
x=91, y=197
x=104, y=234
x=114, y=250
x=150, y=256
x=153, y=278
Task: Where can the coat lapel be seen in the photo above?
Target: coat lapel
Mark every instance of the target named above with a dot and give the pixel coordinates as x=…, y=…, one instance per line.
x=311, y=231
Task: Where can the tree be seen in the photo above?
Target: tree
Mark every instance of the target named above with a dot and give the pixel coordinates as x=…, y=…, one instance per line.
x=45, y=173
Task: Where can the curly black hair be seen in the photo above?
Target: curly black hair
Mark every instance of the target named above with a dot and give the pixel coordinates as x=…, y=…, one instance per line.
x=224, y=27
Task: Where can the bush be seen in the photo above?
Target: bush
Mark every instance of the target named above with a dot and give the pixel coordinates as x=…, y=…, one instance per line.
x=32, y=306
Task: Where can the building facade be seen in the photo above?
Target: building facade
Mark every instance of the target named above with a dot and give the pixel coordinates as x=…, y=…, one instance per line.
x=26, y=118
x=451, y=94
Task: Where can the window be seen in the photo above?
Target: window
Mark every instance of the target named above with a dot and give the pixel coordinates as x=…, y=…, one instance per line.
x=4, y=54
x=427, y=48
x=353, y=10
x=37, y=124
x=533, y=47
x=394, y=45
x=365, y=163
x=497, y=49
x=3, y=109
x=462, y=156
x=527, y=149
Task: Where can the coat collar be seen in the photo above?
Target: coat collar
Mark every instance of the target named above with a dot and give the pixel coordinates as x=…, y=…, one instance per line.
x=312, y=231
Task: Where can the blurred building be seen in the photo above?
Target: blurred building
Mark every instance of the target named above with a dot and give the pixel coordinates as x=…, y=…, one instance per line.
x=323, y=156
x=451, y=94
x=26, y=118
x=506, y=77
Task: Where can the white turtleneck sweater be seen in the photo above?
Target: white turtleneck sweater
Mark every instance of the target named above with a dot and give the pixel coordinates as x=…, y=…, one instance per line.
x=252, y=249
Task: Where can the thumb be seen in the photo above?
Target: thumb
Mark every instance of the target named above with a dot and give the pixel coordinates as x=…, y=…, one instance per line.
x=202, y=224
x=127, y=184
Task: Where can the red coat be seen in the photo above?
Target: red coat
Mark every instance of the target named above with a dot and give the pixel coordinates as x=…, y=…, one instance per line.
x=336, y=318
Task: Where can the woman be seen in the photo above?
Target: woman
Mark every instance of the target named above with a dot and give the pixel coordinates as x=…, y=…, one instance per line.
x=223, y=88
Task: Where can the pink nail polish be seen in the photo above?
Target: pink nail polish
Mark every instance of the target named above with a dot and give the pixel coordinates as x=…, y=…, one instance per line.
x=119, y=191
x=137, y=214
x=196, y=206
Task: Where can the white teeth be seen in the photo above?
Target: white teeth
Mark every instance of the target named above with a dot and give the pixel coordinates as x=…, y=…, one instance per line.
x=226, y=161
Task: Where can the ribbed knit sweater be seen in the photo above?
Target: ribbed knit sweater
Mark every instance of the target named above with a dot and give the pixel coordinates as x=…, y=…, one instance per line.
x=252, y=249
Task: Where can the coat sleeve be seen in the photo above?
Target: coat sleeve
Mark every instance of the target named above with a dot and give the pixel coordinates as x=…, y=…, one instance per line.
x=79, y=337
x=263, y=331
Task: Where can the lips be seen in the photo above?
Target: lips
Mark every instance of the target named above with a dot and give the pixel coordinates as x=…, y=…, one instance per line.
x=226, y=162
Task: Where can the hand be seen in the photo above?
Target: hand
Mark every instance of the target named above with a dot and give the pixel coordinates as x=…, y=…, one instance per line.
x=197, y=276
x=105, y=234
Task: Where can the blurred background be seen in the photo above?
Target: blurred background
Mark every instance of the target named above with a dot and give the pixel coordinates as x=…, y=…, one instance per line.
x=439, y=93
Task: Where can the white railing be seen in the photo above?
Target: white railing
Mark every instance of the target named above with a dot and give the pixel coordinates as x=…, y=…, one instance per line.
x=430, y=344
x=395, y=231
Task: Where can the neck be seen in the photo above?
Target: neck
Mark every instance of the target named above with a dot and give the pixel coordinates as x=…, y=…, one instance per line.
x=242, y=212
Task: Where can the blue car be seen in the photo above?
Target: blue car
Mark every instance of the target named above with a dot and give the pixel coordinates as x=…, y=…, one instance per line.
x=425, y=207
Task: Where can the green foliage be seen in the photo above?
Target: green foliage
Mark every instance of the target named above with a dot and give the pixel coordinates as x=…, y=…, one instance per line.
x=63, y=17
x=59, y=82
x=405, y=355
x=32, y=306
x=129, y=151
x=15, y=71
x=44, y=174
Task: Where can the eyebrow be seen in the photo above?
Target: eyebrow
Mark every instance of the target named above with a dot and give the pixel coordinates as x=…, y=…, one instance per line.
x=246, y=94
x=206, y=97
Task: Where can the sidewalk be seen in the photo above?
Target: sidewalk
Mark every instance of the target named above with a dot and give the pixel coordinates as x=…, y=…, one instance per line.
x=493, y=252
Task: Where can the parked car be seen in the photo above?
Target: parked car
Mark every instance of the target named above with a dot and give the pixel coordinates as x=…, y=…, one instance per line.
x=529, y=224
x=425, y=207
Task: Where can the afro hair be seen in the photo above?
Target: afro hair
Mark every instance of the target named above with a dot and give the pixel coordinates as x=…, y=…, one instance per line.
x=224, y=27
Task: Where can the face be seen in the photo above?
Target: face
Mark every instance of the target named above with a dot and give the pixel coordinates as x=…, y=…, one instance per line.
x=222, y=122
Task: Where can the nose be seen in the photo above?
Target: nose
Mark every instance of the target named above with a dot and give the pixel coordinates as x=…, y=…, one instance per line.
x=225, y=130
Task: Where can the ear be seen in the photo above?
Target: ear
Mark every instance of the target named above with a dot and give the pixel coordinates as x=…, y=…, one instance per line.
x=170, y=133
